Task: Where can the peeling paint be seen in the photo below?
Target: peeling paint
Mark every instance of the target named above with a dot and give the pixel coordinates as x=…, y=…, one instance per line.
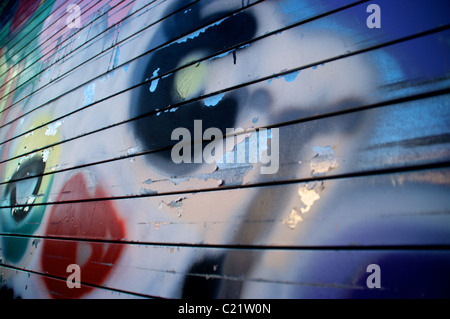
x=316, y=66
x=154, y=83
x=230, y=204
x=219, y=56
x=293, y=219
x=35, y=242
x=177, y=204
x=197, y=33
x=290, y=77
x=323, y=161
x=52, y=129
x=133, y=150
x=45, y=154
x=30, y=133
x=216, y=176
x=308, y=196
x=89, y=94
x=146, y=191
x=222, y=55
x=213, y=100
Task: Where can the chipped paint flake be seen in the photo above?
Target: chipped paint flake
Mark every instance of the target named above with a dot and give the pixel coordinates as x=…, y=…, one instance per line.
x=195, y=34
x=213, y=100
x=290, y=77
x=133, y=150
x=45, y=154
x=52, y=129
x=323, y=161
x=293, y=219
x=23, y=158
x=89, y=94
x=177, y=204
x=308, y=197
x=154, y=83
x=30, y=133
x=146, y=191
x=222, y=55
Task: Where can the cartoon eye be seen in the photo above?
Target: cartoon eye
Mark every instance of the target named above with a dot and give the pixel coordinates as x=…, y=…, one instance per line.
x=27, y=184
x=184, y=86
x=27, y=189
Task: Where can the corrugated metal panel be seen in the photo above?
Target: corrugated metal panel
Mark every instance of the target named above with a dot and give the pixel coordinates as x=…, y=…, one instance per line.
x=339, y=159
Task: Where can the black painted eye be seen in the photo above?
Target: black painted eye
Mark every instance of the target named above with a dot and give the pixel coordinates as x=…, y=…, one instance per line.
x=24, y=187
x=188, y=83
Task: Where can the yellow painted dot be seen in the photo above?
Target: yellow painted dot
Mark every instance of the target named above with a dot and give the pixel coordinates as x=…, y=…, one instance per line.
x=190, y=81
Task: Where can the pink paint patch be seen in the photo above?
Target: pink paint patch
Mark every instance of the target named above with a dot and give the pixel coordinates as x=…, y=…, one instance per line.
x=55, y=28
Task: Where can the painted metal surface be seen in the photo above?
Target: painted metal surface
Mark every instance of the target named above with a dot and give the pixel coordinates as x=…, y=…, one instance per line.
x=87, y=175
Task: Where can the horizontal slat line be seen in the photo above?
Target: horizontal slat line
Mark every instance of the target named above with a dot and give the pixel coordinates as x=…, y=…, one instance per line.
x=66, y=41
x=272, y=76
x=113, y=69
x=246, y=279
x=298, y=121
x=168, y=43
x=11, y=39
x=92, y=58
x=89, y=25
x=119, y=66
x=56, y=20
x=48, y=67
x=241, y=247
x=42, y=31
x=176, y=69
x=414, y=142
x=211, y=276
x=366, y=173
x=81, y=281
x=8, y=41
x=23, y=70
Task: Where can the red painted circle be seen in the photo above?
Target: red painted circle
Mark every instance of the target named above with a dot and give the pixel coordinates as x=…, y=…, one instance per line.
x=79, y=222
